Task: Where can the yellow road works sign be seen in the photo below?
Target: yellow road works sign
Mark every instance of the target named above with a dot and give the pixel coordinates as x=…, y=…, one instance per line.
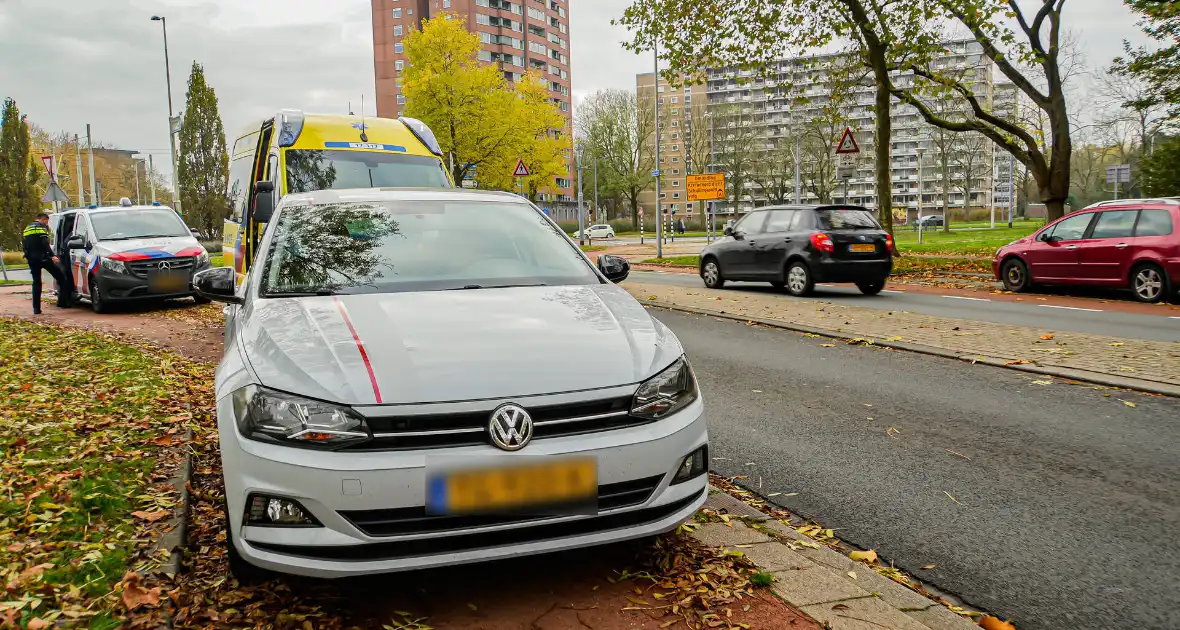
x=706, y=187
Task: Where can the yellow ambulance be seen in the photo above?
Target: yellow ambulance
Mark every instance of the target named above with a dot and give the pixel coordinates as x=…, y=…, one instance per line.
x=295, y=152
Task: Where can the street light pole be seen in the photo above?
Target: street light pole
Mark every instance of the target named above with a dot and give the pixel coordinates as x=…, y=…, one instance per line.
x=655, y=47
x=171, y=141
x=921, y=150
x=711, y=229
x=581, y=206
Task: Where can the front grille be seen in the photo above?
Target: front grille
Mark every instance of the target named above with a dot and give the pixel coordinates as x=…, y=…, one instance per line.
x=396, y=549
x=141, y=268
x=412, y=432
x=415, y=520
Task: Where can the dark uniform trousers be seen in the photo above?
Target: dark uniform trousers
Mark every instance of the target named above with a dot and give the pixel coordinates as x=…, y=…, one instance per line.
x=63, y=290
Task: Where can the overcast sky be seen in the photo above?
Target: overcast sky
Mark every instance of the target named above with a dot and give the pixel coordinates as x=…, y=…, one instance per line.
x=73, y=62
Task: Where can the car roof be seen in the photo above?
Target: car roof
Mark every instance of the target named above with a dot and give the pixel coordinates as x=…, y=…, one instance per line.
x=319, y=197
x=813, y=206
x=1134, y=203
x=110, y=209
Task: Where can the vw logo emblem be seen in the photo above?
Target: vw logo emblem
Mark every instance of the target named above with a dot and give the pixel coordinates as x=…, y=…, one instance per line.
x=863, y=238
x=165, y=265
x=511, y=427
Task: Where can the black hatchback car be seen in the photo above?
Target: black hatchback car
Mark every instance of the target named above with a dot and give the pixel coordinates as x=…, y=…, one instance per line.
x=794, y=247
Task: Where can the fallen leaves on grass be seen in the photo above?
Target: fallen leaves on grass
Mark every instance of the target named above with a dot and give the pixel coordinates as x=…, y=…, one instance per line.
x=82, y=461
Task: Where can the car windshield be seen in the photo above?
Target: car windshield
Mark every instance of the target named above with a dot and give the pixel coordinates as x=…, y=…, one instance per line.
x=400, y=246
x=121, y=225
x=846, y=219
x=309, y=170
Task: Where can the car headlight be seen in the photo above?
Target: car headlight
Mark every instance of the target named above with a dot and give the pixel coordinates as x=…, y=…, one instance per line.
x=666, y=393
x=203, y=258
x=115, y=266
x=271, y=416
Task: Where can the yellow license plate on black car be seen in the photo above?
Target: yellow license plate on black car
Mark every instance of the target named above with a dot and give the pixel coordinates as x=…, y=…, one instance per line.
x=547, y=486
x=862, y=247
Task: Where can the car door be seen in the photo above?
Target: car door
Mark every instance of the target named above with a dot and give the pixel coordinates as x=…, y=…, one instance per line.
x=1053, y=257
x=737, y=255
x=1155, y=238
x=80, y=258
x=1105, y=256
x=771, y=250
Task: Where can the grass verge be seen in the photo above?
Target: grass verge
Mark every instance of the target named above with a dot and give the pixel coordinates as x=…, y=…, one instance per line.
x=7, y=283
x=674, y=261
x=88, y=448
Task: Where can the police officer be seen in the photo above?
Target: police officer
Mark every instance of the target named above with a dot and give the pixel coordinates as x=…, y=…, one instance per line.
x=40, y=256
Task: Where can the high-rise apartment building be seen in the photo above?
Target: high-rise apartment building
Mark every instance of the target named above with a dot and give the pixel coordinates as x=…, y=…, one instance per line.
x=684, y=142
x=517, y=36
x=772, y=109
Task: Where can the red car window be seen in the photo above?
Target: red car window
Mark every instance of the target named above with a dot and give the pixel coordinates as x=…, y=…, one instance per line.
x=1154, y=223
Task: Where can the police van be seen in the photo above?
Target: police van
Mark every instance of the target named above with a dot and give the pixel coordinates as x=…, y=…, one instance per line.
x=128, y=253
x=294, y=152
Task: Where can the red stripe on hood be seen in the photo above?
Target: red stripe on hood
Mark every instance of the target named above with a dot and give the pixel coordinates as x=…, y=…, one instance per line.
x=359, y=346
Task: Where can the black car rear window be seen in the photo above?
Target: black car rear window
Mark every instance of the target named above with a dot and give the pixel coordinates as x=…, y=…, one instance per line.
x=846, y=219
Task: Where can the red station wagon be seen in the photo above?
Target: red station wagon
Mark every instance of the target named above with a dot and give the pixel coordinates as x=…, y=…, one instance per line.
x=1127, y=243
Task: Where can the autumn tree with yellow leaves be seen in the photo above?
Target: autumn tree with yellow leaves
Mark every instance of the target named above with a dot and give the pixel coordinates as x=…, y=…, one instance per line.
x=484, y=124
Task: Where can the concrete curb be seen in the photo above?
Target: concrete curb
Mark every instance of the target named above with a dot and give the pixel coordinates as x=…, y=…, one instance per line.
x=176, y=540
x=822, y=583
x=1085, y=376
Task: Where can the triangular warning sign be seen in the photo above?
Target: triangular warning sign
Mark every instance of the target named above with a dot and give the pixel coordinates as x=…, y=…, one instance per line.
x=521, y=169
x=847, y=143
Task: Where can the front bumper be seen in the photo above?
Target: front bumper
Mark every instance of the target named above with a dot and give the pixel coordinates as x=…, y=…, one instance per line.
x=126, y=287
x=328, y=483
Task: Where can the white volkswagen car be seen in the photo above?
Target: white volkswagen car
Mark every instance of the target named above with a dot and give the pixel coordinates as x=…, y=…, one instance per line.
x=420, y=378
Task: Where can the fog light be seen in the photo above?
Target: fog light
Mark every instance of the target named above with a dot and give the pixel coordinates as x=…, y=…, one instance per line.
x=277, y=512
x=694, y=465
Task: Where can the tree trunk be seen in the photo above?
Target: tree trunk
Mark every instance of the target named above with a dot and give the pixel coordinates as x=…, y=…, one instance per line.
x=1055, y=189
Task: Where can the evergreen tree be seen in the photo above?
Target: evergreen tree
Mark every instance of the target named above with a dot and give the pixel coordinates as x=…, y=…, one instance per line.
x=204, y=163
x=18, y=193
x=1161, y=169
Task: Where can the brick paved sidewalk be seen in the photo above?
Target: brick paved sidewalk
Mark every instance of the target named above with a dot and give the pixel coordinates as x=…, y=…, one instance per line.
x=1152, y=366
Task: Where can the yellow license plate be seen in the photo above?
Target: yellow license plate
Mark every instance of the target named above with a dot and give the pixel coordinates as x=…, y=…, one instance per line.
x=551, y=484
x=862, y=247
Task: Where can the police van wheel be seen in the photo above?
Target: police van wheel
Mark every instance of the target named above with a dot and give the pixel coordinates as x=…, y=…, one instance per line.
x=97, y=304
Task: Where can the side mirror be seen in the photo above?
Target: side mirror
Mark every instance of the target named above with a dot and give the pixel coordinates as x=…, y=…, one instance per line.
x=728, y=230
x=76, y=242
x=218, y=284
x=264, y=201
x=196, y=234
x=615, y=268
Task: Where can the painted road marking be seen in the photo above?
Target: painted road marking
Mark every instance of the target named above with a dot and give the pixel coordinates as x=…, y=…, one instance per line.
x=891, y=291
x=1174, y=318
x=1072, y=308
x=960, y=297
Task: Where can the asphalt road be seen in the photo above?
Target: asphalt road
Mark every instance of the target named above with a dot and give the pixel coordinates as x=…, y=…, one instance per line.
x=1098, y=321
x=1068, y=500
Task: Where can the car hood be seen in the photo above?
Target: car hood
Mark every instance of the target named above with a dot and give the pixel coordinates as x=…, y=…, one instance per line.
x=165, y=247
x=395, y=348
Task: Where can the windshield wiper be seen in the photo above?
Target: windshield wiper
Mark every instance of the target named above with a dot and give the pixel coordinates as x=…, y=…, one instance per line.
x=495, y=286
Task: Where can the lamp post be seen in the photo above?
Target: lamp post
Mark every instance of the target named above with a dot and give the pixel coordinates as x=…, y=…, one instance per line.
x=921, y=150
x=657, y=171
x=711, y=206
x=171, y=122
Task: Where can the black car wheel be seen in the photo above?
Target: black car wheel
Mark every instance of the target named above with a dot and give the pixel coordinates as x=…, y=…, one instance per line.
x=1014, y=274
x=871, y=287
x=799, y=280
x=97, y=303
x=1149, y=283
x=711, y=274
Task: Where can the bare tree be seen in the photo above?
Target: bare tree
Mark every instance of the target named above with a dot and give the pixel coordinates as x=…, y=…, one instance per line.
x=734, y=134
x=775, y=172
x=973, y=160
x=619, y=128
